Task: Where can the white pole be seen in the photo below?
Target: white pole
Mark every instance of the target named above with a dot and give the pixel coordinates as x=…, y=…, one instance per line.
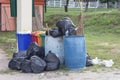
x=24, y=16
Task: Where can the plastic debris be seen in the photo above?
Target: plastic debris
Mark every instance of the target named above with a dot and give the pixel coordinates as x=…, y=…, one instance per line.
x=107, y=63
x=96, y=61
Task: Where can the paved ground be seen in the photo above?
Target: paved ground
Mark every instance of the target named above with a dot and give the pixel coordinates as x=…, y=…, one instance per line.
x=3, y=61
x=6, y=74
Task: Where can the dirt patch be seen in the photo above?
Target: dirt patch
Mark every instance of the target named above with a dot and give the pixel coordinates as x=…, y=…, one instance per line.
x=115, y=50
x=3, y=61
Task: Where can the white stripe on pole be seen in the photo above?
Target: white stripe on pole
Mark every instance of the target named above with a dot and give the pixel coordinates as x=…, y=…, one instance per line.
x=24, y=16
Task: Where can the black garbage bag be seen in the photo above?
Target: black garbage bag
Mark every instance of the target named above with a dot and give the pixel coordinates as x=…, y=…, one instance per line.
x=37, y=64
x=55, y=33
x=70, y=31
x=41, y=52
x=64, y=24
x=20, y=54
x=26, y=66
x=34, y=49
x=53, y=62
x=88, y=60
x=15, y=63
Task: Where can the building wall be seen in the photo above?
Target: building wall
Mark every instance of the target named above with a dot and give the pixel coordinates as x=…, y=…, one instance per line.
x=5, y=1
x=37, y=2
x=8, y=23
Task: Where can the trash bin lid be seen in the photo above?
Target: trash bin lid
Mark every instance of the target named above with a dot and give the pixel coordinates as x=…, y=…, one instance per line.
x=42, y=35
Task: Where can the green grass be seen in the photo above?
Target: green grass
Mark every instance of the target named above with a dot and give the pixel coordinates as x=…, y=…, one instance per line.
x=8, y=72
x=8, y=42
x=101, y=29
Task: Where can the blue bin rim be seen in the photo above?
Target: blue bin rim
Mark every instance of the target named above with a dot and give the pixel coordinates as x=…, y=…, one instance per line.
x=23, y=33
x=73, y=36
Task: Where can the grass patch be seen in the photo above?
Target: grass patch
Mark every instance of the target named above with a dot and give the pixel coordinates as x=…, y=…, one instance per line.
x=8, y=71
x=8, y=42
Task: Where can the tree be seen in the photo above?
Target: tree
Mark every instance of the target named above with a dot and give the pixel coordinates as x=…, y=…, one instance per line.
x=66, y=6
x=87, y=3
x=108, y=4
x=45, y=6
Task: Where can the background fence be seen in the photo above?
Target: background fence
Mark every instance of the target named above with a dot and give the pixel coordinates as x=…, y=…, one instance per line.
x=75, y=4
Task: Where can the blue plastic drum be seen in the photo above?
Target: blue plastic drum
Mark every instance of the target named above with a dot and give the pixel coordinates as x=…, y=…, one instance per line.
x=75, y=52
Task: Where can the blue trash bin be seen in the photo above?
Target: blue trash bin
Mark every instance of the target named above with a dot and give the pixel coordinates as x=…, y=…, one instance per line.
x=23, y=41
x=75, y=52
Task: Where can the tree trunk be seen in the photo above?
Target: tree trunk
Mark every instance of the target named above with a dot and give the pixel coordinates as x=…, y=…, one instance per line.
x=45, y=6
x=87, y=3
x=108, y=4
x=66, y=6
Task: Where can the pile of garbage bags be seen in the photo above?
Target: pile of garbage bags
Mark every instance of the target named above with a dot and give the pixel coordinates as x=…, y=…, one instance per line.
x=64, y=26
x=33, y=60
